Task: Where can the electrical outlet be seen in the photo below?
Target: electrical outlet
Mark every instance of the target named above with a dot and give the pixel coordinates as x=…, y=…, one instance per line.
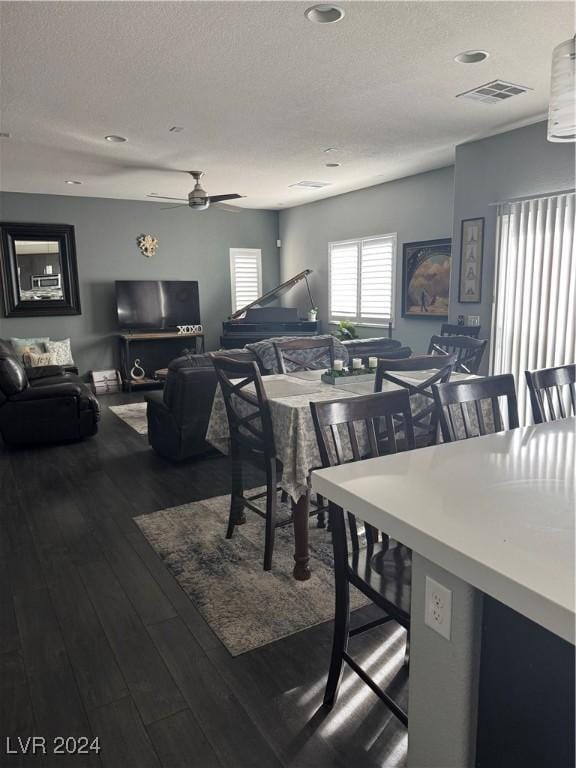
x=438, y=611
x=473, y=319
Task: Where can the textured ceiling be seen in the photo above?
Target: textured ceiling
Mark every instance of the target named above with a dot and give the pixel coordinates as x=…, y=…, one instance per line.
x=259, y=92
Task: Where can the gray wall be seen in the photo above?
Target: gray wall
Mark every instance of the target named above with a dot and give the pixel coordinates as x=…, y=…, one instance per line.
x=514, y=164
x=192, y=246
x=416, y=208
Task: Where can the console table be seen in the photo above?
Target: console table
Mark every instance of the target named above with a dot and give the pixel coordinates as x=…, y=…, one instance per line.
x=126, y=361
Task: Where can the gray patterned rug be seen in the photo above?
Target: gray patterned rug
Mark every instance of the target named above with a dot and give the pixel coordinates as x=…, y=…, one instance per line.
x=133, y=414
x=245, y=606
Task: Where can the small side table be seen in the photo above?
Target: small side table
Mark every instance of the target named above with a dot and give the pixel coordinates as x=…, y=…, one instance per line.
x=126, y=340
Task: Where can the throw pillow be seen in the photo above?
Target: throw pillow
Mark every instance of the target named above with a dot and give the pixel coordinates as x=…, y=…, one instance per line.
x=32, y=360
x=61, y=352
x=33, y=345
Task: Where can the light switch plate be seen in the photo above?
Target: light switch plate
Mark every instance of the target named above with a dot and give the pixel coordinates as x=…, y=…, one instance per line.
x=438, y=607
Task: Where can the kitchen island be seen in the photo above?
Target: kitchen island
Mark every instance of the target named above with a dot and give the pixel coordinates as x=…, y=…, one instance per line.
x=492, y=520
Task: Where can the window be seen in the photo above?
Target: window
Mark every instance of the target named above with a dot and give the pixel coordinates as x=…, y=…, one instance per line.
x=535, y=290
x=362, y=280
x=245, y=276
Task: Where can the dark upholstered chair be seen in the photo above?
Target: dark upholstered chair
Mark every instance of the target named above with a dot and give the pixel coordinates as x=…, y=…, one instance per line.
x=43, y=405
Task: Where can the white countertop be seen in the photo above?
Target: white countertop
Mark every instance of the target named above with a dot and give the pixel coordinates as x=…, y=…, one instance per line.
x=496, y=511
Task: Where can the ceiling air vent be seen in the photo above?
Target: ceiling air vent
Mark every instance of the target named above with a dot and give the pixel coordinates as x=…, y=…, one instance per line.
x=494, y=92
x=309, y=185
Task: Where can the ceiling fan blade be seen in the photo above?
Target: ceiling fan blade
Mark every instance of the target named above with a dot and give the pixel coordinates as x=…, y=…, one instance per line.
x=170, y=207
x=220, y=198
x=160, y=197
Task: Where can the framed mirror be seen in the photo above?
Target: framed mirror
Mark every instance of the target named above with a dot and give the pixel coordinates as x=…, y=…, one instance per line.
x=39, y=270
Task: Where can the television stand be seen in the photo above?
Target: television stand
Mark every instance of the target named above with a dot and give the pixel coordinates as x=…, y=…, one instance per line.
x=164, y=354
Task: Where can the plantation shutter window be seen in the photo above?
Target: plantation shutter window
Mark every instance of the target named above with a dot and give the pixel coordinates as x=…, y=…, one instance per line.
x=245, y=276
x=362, y=280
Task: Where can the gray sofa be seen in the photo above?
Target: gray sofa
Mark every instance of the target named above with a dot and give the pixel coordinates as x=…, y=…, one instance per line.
x=178, y=416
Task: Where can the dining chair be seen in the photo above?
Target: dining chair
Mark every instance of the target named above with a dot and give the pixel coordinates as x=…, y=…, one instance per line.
x=546, y=383
x=304, y=354
x=472, y=408
x=453, y=329
x=424, y=416
x=252, y=440
x=346, y=430
x=468, y=351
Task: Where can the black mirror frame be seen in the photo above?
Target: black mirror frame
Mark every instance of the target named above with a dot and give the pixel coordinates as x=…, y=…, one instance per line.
x=13, y=305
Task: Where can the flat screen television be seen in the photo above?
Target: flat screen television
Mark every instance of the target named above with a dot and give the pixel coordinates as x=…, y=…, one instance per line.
x=157, y=305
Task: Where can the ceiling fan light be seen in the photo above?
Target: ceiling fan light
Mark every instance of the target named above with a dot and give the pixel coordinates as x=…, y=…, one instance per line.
x=562, y=110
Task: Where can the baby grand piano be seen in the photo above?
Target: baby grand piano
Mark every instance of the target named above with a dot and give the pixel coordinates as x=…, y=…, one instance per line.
x=257, y=320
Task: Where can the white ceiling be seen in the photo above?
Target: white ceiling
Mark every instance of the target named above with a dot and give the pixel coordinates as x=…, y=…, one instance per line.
x=259, y=90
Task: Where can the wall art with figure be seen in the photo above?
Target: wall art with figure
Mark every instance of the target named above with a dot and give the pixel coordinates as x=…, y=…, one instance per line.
x=426, y=278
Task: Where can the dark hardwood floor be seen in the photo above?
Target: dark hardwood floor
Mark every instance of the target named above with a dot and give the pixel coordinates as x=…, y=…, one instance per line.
x=98, y=639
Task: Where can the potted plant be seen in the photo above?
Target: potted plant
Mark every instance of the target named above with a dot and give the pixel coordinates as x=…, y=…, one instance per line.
x=346, y=331
x=313, y=314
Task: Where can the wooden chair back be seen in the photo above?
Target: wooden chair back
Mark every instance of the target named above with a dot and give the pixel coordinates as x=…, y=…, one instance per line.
x=347, y=430
x=552, y=392
x=452, y=329
x=468, y=351
x=424, y=417
x=247, y=407
x=305, y=354
x=472, y=408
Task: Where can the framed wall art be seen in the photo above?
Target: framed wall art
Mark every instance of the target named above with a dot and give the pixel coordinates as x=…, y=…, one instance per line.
x=426, y=268
x=471, y=256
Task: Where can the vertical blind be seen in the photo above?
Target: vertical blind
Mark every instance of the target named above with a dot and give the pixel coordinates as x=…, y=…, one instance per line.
x=245, y=276
x=533, y=319
x=362, y=279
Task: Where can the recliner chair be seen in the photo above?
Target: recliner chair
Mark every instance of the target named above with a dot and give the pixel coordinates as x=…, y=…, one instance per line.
x=46, y=404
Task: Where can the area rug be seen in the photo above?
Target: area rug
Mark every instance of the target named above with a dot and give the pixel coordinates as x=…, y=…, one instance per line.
x=134, y=414
x=245, y=606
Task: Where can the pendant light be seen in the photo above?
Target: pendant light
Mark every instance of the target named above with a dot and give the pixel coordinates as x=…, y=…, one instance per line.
x=562, y=112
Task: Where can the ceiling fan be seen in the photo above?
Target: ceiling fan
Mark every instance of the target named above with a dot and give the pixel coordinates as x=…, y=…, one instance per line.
x=197, y=199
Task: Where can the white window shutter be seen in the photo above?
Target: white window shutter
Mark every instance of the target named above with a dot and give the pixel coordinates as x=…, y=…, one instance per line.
x=344, y=280
x=376, y=279
x=362, y=275
x=245, y=276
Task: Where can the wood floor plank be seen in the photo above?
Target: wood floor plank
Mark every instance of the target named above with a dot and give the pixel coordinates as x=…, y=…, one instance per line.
x=16, y=716
x=58, y=709
x=9, y=638
x=234, y=736
x=123, y=738
x=151, y=685
x=180, y=743
x=96, y=669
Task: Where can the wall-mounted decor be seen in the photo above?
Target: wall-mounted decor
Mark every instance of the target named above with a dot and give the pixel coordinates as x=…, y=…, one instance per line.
x=471, y=254
x=426, y=270
x=39, y=270
x=147, y=245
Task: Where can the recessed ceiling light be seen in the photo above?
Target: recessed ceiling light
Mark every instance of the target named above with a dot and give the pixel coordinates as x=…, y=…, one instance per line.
x=471, y=57
x=332, y=165
x=324, y=14
x=115, y=139
x=72, y=181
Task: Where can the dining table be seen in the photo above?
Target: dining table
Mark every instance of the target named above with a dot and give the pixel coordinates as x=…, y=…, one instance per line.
x=490, y=522
x=289, y=397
